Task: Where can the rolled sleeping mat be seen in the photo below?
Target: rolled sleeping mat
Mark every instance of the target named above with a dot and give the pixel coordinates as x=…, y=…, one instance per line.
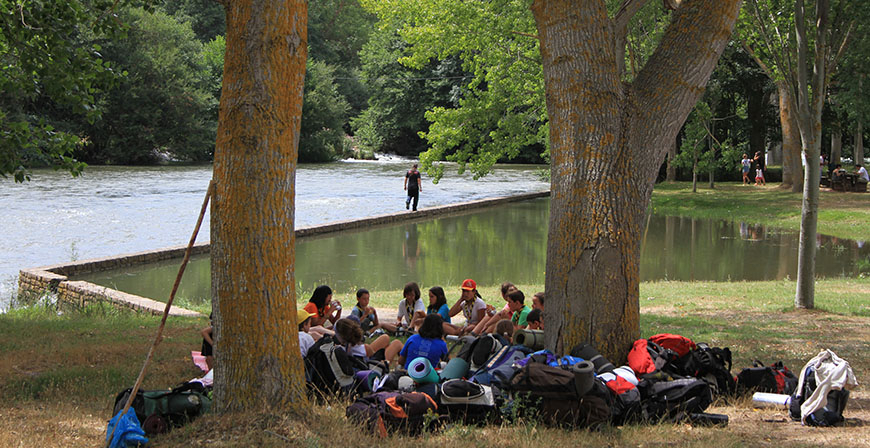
x=584, y=377
x=421, y=371
x=764, y=399
x=533, y=339
x=366, y=380
x=456, y=368
x=588, y=352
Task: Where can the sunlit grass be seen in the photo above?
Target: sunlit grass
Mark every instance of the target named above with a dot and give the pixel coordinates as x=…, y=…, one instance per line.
x=845, y=215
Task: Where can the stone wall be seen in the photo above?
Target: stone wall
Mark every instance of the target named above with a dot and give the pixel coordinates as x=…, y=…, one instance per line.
x=54, y=279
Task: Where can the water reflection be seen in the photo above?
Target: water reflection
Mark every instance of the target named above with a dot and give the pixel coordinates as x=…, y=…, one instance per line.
x=509, y=243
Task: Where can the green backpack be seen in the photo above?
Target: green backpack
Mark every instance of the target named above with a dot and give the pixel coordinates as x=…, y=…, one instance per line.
x=158, y=409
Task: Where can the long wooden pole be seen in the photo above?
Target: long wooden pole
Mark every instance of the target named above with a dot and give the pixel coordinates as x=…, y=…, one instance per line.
x=159, y=334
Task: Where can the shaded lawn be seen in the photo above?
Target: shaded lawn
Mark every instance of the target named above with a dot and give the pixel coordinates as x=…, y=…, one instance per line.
x=59, y=374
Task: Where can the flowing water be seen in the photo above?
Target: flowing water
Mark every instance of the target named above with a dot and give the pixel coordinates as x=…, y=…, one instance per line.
x=114, y=210
x=509, y=243
x=107, y=211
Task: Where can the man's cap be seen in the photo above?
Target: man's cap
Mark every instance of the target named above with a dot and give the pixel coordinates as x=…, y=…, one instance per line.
x=469, y=284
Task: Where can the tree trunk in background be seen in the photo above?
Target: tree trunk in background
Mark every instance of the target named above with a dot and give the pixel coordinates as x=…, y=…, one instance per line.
x=836, y=145
x=792, y=172
x=810, y=102
x=672, y=169
x=858, y=155
x=756, y=103
x=257, y=365
x=607, y=143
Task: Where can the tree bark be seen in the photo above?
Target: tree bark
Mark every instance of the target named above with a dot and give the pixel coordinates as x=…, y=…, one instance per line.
x=792, y=174
x=607, y=142
x=858, y=156
x=257, y=361
x=836, y=145
x=672, y=169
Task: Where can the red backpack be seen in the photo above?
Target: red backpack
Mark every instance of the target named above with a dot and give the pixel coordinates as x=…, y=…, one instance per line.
x=647, y=357
x=680, y=344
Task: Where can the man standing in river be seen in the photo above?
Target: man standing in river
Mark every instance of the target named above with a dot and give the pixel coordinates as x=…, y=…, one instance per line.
x=414, y=185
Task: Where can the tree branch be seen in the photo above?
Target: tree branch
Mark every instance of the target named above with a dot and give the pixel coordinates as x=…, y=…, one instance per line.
x=758, y=60
x=626, y=12
x=525, y=34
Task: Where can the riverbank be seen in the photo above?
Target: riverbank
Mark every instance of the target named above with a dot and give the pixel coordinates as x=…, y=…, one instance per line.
x=844, y=215
x=59, y=374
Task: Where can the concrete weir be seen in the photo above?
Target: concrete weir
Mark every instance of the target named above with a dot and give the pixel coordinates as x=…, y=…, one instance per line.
x=55, y=278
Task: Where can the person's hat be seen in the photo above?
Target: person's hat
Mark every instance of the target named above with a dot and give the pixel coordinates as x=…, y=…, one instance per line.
x=353, y=318
x=469, y=284
x=302, y=314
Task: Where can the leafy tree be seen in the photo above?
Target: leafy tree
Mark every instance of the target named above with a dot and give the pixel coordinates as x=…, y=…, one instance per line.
x=252, y=219
x=324, y=113
x=400, y=96
x=607, y=137
x=164, y=106
x=802, y=52
x=206, y=17
x=50, y=69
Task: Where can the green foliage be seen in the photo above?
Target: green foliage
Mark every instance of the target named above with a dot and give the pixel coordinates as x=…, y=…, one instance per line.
x=49, y=72
x=206, y=17
x=324, y=112
x=400, y=96
x=164, y=108
x=503, y=110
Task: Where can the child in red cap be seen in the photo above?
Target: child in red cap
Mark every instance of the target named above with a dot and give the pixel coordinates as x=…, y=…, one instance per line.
x=472, y=306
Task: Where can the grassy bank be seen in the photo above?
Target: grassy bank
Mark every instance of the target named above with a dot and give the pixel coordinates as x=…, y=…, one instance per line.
x=59, y=374
x=844, y=215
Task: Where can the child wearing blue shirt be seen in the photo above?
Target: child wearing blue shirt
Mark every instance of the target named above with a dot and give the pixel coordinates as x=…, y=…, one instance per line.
x=428, y=343
x=438, y=303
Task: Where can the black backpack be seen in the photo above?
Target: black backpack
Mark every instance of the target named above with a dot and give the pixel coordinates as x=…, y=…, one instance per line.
x=671, y=399
x=329, y=369
x=480, y=350
x=830, y=415
x=711, y=364
x=775, y=378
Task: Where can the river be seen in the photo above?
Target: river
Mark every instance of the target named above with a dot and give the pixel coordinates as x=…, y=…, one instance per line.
x=106, y=211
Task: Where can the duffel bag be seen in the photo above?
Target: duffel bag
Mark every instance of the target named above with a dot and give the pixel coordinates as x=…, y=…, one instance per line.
x=468, y=402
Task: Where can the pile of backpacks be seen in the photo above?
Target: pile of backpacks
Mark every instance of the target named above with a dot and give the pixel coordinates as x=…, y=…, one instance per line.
x=668, y=378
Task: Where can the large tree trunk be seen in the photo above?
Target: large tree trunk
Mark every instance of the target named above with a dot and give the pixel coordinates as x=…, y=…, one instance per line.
x=858, y=155
x=792, y=172
x=607, y=143
x=257, y=361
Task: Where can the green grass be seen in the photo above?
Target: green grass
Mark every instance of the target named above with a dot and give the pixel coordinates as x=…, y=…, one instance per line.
x=59, y=373
x=845, y=215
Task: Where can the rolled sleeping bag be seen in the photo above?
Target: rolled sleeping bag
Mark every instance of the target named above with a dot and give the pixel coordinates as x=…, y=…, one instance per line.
x=421, y=371
x=588, y=352
x=456, y=368
x=366, y=380
x=533, y=339
x=584, y=377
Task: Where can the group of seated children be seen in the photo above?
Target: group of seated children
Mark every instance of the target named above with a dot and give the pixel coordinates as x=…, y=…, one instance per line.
x=428, y=325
